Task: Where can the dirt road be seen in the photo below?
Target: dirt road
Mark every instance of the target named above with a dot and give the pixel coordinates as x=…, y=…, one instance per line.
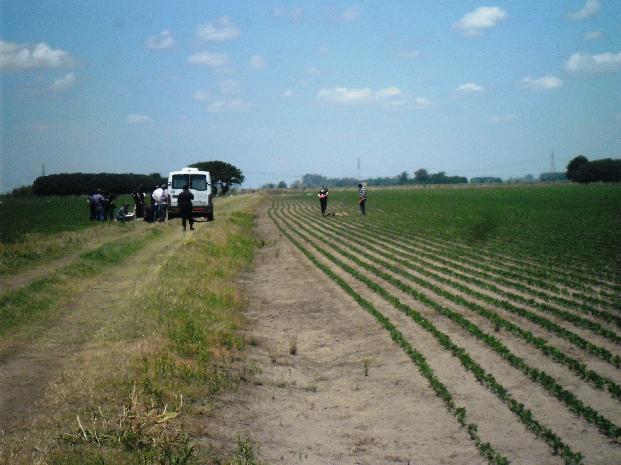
x=26, y=369
x=331, y=388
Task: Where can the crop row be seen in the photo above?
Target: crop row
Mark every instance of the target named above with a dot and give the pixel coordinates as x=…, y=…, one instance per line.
x=547, y=253
x=506, y=304
x=545, y=267
x=507, y=275
x=460, y=413
x=335, y=233
x=469, y=364
x=538, y=376
x=512, y=267
x=547, y=298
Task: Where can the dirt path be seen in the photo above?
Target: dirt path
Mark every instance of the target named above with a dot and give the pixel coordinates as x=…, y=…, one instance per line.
x=331, y=388
x=26, y=372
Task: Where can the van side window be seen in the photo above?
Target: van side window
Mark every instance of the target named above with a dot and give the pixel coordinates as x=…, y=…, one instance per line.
x=198, y=182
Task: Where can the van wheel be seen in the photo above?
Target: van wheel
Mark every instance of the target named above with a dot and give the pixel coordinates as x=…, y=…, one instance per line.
x=209, y=216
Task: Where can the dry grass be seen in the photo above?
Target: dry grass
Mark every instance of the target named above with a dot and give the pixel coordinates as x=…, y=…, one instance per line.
x=175, y=337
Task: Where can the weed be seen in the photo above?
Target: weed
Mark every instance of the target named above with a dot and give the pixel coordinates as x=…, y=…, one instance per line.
x=365, y=366
x=293, y=346
x=143, y=429
x=246, y=453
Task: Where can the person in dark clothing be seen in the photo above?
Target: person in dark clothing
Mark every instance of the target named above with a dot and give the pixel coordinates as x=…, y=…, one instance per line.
x=184, y=202
x=149, y=214
x=323, y=200
x=138, y=196
x=92, y=206
x=109, y=206
x=362, y=198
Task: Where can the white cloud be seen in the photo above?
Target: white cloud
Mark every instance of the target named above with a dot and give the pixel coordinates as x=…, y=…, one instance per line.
x=63, y=83
x=483, y=17
x=422, y=102
x=201, y=95
x=502, y=119
x=593, y=35
x=160, y=41
x=390, y=96
x=287, y=93
x=590, y=9
x=292, y=14
x=220, y=30
x=343, y=95
x=469, y=88
x=602, y=63
x=135, y=118
x=542, y=83
x=257, y=62
x=15, y=56
x=232, y=105
x=313, y=71
x=217, y=61
x=227, y=98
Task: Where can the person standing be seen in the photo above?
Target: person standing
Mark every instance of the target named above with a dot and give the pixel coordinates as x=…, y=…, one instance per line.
x=99, y=201
x=362, y=198
x=184, y=201
x=109, y=206
x=138, y=197
x=91, y=206
x=160, y=197
x=323, y=200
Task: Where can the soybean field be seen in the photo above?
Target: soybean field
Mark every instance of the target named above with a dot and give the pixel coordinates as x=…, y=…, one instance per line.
x=506, y=300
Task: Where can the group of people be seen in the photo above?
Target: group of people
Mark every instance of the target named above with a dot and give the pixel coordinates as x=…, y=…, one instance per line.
x=160, y=199
x=362, y=199
x=102, y=206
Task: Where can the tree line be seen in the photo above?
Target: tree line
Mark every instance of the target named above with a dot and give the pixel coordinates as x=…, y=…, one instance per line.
x=223, y=174
x=85, y=183
x=581, y=170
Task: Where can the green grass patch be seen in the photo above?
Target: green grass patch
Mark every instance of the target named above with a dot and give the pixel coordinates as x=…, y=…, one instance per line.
x=20, y=216
x=182, y=347
x=579, y=225
x=36, y=300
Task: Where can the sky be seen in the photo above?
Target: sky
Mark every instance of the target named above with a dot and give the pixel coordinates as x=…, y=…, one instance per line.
x=280, y=89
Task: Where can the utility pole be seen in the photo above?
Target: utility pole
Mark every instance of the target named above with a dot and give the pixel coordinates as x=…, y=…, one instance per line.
x=358, y=168
x=43, y=170
x=552, y=164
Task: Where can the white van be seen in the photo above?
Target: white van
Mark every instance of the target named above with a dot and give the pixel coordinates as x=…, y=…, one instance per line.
x=199, y=183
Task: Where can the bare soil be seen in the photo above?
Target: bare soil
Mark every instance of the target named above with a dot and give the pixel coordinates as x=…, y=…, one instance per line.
x=331, y=387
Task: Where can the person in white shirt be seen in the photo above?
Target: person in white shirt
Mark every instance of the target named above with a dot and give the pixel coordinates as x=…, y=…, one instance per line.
x=161, y=197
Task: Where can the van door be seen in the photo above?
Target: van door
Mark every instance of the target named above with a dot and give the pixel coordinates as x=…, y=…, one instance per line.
x=200, y=188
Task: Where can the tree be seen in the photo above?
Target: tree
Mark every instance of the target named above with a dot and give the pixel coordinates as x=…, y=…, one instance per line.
x=222, y=173
x=421, y=175
x=604, y=170
x=403, y=178
x=574, y=165
x=282, y=185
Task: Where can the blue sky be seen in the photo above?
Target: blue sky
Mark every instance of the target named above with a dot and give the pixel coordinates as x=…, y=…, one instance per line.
x=280, y=89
